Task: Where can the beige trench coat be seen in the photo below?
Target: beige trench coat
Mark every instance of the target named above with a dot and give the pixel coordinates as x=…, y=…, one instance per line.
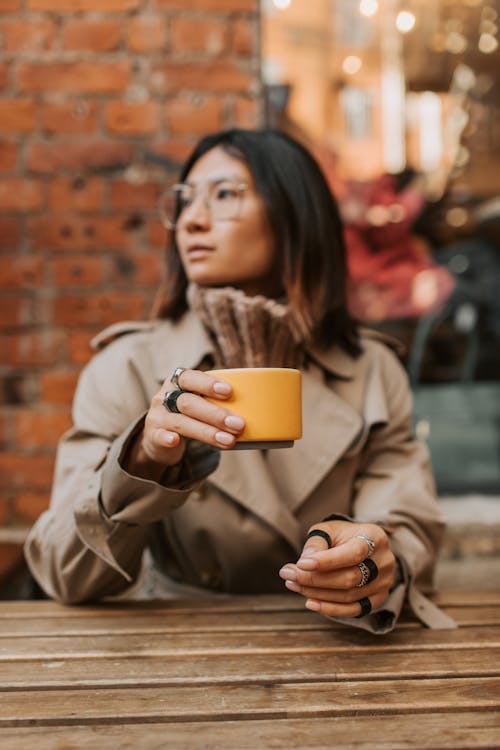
x=232, y=529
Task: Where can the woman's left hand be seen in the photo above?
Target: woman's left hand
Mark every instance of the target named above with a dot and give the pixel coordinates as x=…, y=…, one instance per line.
x=330, y=578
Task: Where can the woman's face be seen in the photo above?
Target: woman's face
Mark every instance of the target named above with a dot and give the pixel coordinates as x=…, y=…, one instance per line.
x=223, y=236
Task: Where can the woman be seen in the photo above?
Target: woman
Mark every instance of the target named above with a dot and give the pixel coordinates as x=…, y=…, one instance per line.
x=347, y=518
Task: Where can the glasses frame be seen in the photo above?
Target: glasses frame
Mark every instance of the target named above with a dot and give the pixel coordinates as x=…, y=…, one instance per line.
x=207, y=189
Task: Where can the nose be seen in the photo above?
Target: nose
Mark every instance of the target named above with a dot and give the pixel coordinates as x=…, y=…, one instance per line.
x=197, y=215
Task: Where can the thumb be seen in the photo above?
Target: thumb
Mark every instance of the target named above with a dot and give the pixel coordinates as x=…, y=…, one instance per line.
x=317, y=540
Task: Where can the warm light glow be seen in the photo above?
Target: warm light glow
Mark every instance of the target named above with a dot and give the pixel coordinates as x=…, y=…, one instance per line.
x=405, y=21
x=487, y=43
x=368, y=7
x=282, y=4
x=430, y=131
x=393, y=118
x=351, y=64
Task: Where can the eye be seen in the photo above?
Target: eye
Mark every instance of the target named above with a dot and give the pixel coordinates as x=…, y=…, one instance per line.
x=184, y=196
x=226, y=192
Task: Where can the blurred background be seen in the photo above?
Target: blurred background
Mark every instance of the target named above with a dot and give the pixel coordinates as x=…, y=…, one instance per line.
x=101, y=100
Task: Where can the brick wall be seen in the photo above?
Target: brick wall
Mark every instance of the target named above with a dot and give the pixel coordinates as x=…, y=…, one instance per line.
x=99, y=101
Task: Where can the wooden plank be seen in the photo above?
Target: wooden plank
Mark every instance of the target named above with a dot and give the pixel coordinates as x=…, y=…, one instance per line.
x=449, y=731
x=248, y=642
x=215, y=603
x=240, y=668
x=127, y=622
x=235, y=702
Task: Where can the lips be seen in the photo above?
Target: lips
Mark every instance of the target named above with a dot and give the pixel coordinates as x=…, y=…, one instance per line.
x=198, y=251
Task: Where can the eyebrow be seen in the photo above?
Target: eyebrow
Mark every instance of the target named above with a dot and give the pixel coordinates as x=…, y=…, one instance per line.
x=217, y=180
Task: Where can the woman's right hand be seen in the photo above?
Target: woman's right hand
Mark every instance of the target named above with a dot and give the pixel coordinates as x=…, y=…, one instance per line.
x=162, y=441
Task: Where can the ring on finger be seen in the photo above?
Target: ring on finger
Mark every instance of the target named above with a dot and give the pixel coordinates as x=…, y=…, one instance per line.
x=370, y=543
x=369, y=571
x=366, y=607
x=170, y=401
x=175, y=377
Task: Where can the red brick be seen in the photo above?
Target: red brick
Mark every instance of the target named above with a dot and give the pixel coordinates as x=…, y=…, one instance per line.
x=20, y=270
x=99, y=309
x=228, y=6
x=47, y=158
x=17, y=194
x=17, y=115
x=76, y=117
x=146, y=34
x=4, y=75
x=17, y=470
x=132, y=118
x=157, y=234
x=28, y=36
x=245, y=37
x=75, y=77
x=81, y=271
x=29, y=505
x=139, y=270
x=129, y=196
x=79, y=349
x=58, y=386
x=5, y=430
x=16, y=311
x=247, y=112
x=8, y=156
x=194, y=115
x=8, y=6
x=198, y=35
x=10, y=232
x=175, y=151
x=75, y=6
x=214, y=75
x=34, y=349
x=79, y=194
x=96, y=36
x=34, y=428
x=80, y=233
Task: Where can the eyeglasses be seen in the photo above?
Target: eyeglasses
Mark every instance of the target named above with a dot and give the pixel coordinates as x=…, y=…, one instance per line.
x=222, y=197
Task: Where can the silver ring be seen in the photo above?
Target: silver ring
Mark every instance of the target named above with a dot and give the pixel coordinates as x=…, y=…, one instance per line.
x=175, y=377
x=370, y=543
x=365, y=574
x=170, y=401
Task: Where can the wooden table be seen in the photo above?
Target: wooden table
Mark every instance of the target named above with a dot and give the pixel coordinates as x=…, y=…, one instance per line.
x=245, y=672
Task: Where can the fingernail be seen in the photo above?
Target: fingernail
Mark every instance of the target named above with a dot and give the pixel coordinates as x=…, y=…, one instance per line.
x=312, y=605
x=307, y=563
x=234, y=423
x=292, y=586
x=223, y=388
x=224, y=438
x=289, y=573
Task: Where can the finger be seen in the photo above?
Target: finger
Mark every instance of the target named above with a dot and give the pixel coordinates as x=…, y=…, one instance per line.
x=343, y=578
x=192, y=405
x=340, y=609
x=350, y=552
x=317, y=540
x=190, y=427
x=200, y=382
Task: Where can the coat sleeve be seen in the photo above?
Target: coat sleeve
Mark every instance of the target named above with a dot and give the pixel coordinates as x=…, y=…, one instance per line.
x=395, y=488
x=89, y=543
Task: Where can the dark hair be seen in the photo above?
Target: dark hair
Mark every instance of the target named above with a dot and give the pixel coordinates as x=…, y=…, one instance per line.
x=307, y=228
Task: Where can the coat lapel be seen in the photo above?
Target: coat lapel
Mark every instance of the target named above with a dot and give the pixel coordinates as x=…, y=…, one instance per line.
x=245, y=476
x=330, y=426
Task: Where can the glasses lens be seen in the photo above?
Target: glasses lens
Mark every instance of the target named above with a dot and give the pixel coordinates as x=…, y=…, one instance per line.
x=172, y=202
x=223, y=198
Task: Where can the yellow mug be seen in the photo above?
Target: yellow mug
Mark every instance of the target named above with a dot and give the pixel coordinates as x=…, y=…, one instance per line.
x=270, y=401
